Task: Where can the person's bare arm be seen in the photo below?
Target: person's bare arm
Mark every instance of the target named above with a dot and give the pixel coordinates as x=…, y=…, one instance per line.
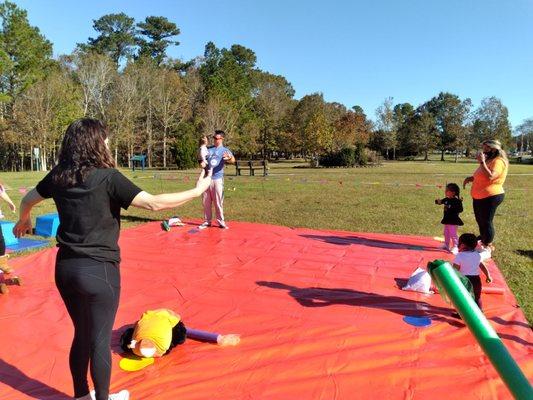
x=23, y=225
x=228, y=159
x=467, y=181
x=4, y=196
x=491, y=174
x=486, y=272
x=165, y=201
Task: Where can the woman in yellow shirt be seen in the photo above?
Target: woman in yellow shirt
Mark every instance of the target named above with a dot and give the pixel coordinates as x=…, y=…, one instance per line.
x=487, y=188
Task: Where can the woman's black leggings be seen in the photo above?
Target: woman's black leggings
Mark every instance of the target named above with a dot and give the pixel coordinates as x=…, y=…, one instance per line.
x=90, y=290
x=484, y=210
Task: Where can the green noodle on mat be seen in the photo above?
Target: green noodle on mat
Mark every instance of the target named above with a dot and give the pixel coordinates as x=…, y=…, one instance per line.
x=464, y=280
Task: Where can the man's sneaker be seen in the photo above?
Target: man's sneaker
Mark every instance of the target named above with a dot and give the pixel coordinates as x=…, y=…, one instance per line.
x=223, y=225
x=204, y=225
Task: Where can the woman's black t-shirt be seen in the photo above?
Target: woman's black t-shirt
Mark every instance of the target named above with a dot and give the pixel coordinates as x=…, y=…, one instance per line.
x=89, y=213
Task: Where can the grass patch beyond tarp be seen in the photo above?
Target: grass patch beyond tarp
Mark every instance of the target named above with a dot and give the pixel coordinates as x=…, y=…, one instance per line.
x=397, y=197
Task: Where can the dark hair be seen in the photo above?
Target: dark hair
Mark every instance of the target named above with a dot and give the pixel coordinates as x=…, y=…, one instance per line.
x=469, y=240
x=453, y=187
x=82, y=150
x=220, y=132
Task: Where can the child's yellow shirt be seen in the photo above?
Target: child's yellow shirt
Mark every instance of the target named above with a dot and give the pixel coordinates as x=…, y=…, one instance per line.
x=157, y=325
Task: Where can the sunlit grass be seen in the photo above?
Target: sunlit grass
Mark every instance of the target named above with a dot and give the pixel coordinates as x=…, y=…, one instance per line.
x=393, y=198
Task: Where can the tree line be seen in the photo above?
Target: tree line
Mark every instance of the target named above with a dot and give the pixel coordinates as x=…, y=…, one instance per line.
x=160, y=106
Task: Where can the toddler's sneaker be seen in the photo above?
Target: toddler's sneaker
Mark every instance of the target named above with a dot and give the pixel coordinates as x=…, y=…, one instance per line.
x=204, y=225
x=454, y=250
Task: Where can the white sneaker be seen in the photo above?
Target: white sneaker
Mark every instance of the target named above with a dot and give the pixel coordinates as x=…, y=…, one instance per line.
x=122, y=395
x=223, y=225
x=204, y=225
x=454, y=250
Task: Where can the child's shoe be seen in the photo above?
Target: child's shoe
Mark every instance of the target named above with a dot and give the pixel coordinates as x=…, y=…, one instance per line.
x=454, y=250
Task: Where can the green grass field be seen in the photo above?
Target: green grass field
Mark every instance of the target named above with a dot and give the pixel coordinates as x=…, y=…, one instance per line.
x=393, y=198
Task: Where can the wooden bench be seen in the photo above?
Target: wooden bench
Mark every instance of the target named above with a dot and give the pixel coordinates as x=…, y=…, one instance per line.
x=251, y=166
x=240, y=165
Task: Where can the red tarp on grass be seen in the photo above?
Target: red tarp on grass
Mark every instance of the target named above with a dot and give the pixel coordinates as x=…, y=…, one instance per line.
x=320, y=314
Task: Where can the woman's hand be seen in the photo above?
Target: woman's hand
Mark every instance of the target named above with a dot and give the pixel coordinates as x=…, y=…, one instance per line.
x=467, y=181
x=22, y=227
x=480, y=157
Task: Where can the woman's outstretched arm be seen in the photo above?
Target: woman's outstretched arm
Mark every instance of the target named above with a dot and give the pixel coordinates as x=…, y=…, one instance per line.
x=23, y=225
x=170, y=200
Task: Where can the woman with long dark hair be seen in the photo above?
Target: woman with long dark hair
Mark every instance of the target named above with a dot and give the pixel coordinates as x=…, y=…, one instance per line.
x=487, y=188
x=89, y=192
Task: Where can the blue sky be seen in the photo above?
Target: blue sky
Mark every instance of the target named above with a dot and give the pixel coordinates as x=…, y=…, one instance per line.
x=353, y=52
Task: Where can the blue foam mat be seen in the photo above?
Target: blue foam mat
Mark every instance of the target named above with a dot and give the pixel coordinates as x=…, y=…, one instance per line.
x=25, y=244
